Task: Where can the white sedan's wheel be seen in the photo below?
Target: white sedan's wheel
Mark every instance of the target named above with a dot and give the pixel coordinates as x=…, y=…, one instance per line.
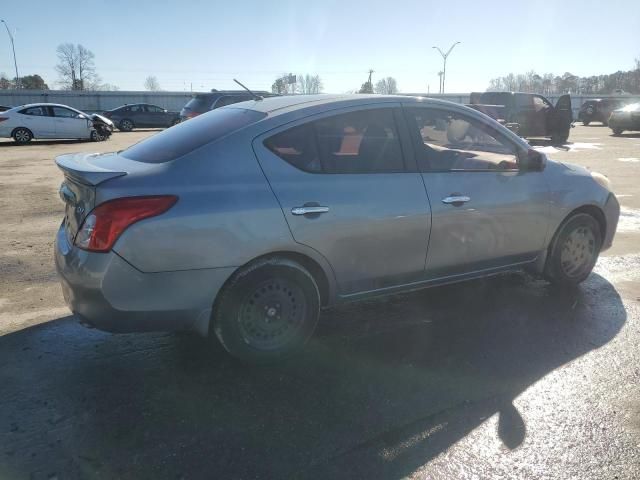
x=22, y=135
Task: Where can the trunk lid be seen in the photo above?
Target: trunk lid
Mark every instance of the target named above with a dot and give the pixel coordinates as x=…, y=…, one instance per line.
x=82, y=174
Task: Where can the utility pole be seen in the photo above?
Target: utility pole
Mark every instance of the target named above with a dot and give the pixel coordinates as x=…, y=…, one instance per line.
x=440, y=81
x=13, y=48
x=370, y=73
x=444, y=58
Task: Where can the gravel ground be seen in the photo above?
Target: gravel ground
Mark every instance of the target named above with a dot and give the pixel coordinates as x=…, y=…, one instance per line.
x=500, y=378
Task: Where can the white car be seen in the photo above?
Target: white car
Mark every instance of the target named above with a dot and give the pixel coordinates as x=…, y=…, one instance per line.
x=51, y=120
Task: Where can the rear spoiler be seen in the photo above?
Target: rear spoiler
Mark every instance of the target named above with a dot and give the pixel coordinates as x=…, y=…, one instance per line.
x=78, y=168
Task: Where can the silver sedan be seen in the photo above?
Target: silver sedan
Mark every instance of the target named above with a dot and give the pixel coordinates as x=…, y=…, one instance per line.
x=243, y=222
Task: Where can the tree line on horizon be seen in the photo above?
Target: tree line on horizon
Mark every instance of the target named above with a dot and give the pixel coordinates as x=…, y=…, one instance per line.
x=549, y=84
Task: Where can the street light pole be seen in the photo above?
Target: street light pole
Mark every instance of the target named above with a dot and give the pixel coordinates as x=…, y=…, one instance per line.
x=444, y=58
x=13, y=48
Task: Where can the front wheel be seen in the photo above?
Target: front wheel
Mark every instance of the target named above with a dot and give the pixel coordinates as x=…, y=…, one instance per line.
x=574, y=250
x=267, y=311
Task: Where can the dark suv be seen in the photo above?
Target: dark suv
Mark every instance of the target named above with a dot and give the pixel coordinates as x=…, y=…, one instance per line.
x=599, y=110
x=203, y=102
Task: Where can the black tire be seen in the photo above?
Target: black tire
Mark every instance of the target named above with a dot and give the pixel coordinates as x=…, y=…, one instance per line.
x=617, y=131
x=97, y=137
x=267, y=311
x=559, y=139
x=22, y=135
x=126, y=125
x=574, y=251
x=586, y=122
x=175, y=121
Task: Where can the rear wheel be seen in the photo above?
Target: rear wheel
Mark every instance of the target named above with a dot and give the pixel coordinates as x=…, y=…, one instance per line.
x=574, y=250
x=617, y=131
x=125, y=125
x=267, y=311
x=22, y=135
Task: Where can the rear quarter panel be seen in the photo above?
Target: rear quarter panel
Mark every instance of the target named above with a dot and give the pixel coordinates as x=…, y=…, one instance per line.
x=226, y=214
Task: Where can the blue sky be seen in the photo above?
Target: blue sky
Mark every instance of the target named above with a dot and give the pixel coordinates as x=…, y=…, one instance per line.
x=206, y=44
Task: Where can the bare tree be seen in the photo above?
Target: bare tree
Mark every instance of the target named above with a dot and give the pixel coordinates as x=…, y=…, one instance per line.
x=76, y=67
x=309, y=84
x=151, y=83
x=386, y=86
x=285, y=84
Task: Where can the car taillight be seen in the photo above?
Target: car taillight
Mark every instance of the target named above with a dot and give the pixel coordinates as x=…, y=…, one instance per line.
x=102, y=227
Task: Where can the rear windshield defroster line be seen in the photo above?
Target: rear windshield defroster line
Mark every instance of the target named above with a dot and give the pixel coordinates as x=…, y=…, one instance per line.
x=187, y=136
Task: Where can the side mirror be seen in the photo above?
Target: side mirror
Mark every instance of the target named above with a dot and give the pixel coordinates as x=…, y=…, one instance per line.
x=531, y=160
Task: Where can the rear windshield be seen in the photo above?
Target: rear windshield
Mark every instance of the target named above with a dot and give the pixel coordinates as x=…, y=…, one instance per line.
x=200, y=103
x=187, y=136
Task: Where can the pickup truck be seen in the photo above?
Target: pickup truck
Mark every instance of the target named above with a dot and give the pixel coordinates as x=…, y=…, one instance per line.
x=527, y=114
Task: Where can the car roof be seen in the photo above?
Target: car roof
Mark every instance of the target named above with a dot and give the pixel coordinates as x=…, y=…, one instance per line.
x=28, y=105
x=284, y=104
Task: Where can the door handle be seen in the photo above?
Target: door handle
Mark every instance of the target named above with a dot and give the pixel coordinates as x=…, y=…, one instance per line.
x=309, y=210
x=456, y=200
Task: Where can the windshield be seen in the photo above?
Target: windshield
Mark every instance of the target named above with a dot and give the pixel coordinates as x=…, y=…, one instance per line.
x=186, y=137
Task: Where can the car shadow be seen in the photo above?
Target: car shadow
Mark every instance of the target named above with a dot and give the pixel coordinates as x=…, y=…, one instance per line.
x=43, y=142
x=626, y=135
x=384, y=386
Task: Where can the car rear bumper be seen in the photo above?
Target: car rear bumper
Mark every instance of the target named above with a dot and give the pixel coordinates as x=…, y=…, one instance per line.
x=611, y=214
x=105, y=291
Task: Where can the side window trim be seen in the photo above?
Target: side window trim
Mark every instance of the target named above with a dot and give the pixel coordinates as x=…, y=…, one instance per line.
x=396, y=109
x=418, y=142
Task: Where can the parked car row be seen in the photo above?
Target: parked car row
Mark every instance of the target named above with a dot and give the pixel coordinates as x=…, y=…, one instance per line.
x=52, y=121
x=262, y=214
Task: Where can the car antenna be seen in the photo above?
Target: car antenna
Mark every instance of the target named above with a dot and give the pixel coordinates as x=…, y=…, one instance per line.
x=255, y=96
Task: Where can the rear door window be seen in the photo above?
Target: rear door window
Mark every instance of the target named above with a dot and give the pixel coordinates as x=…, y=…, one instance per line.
x=186, y=137
x=358, y=142
x=36, y=111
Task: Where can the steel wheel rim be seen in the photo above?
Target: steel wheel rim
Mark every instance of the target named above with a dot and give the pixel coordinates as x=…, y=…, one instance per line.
x=578, y=251
x=272, y=315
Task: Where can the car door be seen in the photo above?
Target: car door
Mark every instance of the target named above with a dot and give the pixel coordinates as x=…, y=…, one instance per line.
x=157, y=116
x=70, y=123
x=486, y=212
x=562, y=116
x=525, y=115
x=347, y=190
x=139, y=115
x=39, y=121
x=542, y=116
